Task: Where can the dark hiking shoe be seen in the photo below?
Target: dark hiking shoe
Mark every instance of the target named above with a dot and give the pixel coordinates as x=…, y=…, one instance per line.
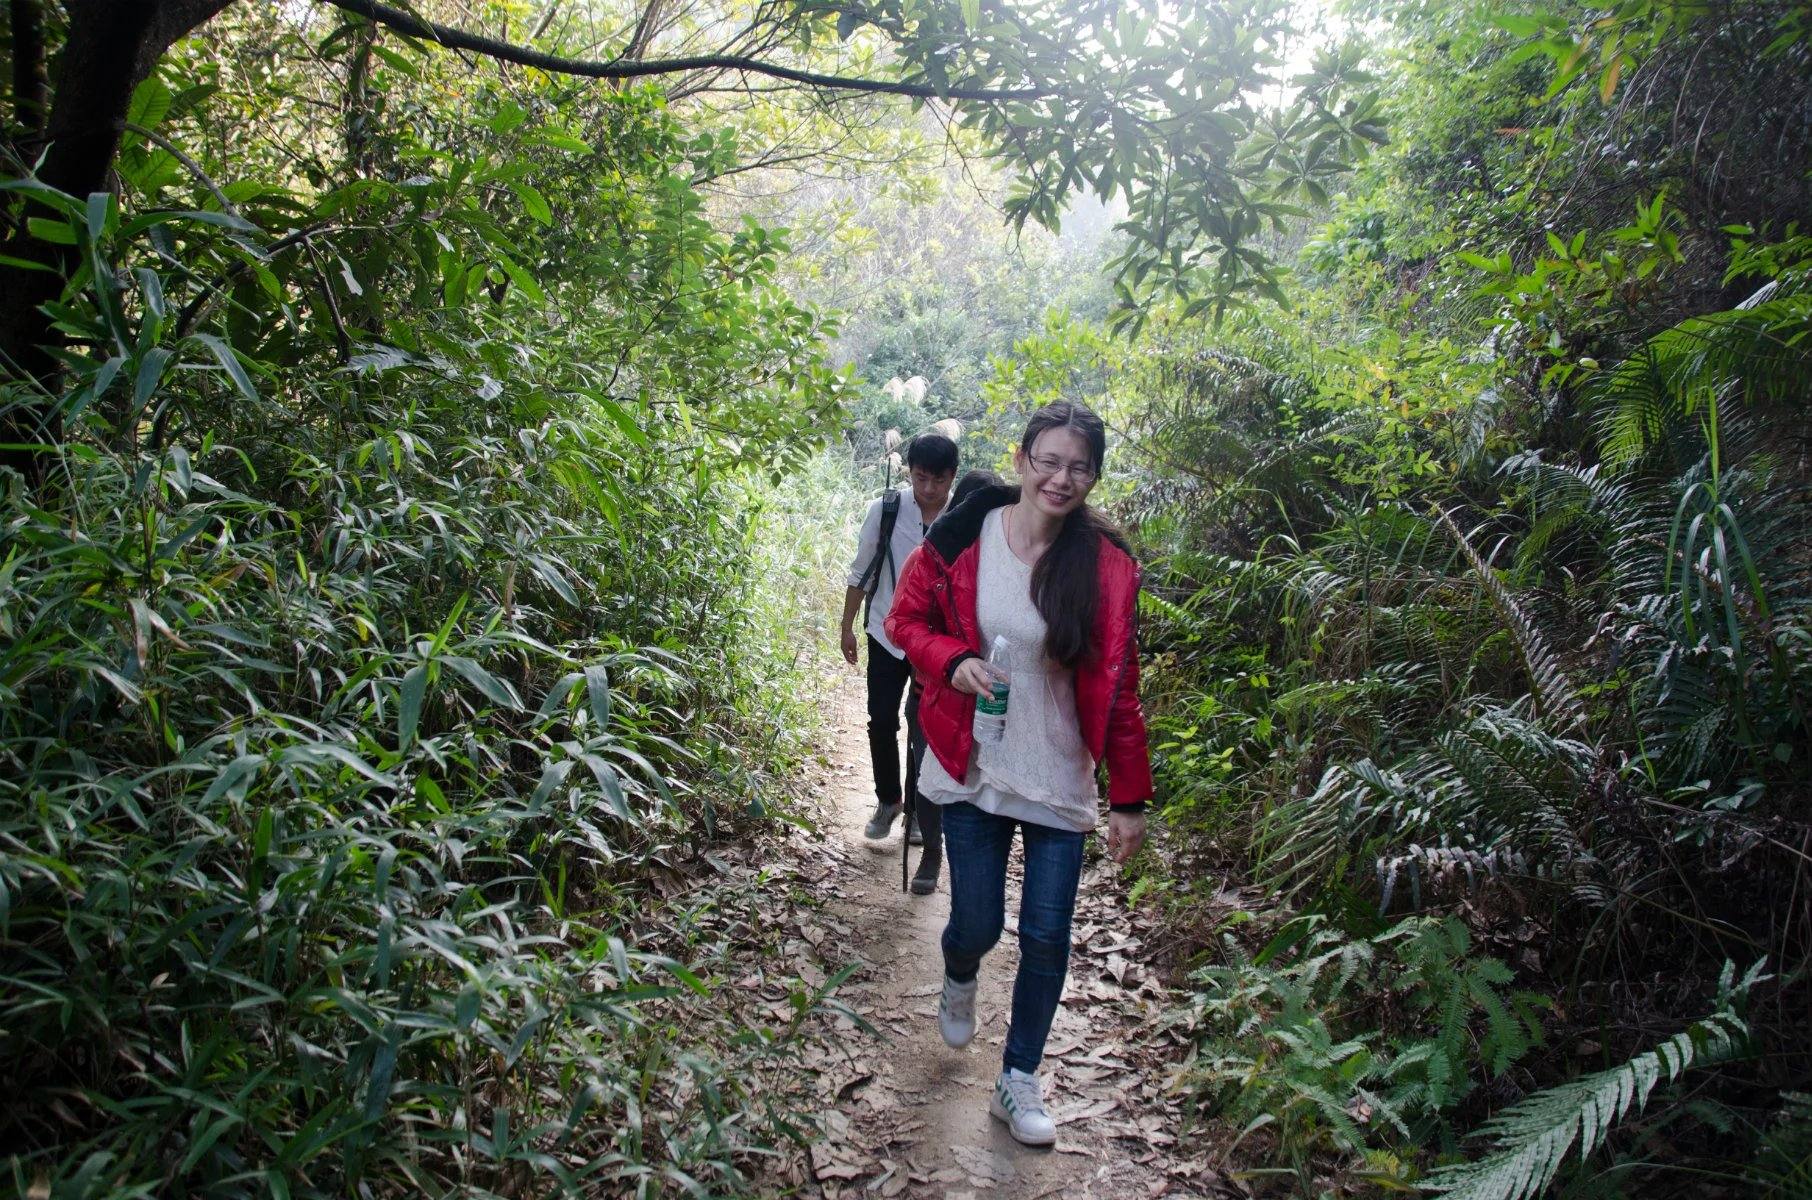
x=881, y=824
x=914, y=835
x=924, y=880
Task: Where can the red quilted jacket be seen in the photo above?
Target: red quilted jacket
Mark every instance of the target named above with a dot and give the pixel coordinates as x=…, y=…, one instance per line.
x=933, y=621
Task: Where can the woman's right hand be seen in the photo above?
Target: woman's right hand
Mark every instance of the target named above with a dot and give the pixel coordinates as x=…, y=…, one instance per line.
x=972, y=676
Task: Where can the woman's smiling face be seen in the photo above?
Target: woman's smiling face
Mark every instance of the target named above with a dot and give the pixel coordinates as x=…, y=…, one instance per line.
x=1057, y=471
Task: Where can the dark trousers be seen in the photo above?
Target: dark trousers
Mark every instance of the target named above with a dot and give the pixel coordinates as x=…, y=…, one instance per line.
x=888, y=678
x=930, y=816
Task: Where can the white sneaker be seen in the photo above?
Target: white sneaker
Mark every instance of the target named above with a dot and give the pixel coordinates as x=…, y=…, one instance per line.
x=1019, y=1101
x=956, y=1012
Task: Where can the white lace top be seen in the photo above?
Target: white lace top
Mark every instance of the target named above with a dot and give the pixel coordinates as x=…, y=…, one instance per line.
x=1040, y=771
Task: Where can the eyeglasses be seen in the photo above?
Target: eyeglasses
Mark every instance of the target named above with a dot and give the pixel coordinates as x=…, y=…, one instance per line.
x=1079, y=472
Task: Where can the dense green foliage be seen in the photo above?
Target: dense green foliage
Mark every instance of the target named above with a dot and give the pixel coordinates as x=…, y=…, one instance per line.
x=1151, y=105
x=412, y=579
x=1483, y=591
x=366, y=666
x=1534, y=1137
x=928, y=290
x=1289, y=1046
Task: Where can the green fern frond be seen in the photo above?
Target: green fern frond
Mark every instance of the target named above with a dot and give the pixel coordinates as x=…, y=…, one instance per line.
x=1155, y=606
x=1496, y=794
x=1443, y=863
x=1783, y=1162
x=1547, y=675
x=1532, y=1140
x=1654, y=395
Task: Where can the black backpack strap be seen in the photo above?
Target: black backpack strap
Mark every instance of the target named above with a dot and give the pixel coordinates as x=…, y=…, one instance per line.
x=890, y=516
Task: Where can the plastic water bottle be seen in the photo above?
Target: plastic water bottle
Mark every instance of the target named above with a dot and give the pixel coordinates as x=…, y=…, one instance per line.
x=991, y=710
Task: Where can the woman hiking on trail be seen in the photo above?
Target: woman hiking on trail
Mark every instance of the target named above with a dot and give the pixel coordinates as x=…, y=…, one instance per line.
x=1033, y=570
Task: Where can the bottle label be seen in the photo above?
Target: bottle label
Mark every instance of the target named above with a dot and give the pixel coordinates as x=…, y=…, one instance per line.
x=994, y=705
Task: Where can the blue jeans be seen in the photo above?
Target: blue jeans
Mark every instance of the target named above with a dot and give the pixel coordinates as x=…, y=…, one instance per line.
x=977, y=844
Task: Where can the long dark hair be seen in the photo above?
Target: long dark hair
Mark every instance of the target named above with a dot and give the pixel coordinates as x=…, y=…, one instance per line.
x=1064, y=586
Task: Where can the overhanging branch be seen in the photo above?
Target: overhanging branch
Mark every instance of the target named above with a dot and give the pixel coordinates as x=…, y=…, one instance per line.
x=624, y=68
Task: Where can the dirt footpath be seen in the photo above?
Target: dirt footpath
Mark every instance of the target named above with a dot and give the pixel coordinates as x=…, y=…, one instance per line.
x=908, y=1116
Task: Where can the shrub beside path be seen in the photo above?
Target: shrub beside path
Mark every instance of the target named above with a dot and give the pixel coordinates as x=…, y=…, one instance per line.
x=906, y=1116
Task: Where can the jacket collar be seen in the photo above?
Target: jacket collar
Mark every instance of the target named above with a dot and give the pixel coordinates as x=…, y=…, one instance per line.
x=956, y=530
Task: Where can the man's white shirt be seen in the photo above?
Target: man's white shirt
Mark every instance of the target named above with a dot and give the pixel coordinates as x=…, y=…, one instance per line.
x=908, y=531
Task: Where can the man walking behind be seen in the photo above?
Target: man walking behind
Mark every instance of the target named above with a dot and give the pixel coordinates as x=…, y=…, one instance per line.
x=880, y=553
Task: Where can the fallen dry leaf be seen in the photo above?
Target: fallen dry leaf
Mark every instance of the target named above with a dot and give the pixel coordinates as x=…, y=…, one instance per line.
x=1099, y=1108
x=986, y=1169
x=828, y=1165
x=849, y=1089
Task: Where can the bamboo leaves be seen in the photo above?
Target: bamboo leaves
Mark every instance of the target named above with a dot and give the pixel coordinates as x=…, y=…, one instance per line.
x=409, y=707
x=344, y=709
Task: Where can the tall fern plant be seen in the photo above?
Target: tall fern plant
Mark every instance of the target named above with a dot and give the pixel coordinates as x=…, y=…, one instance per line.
x=1702, y=405
x=1532, y=1140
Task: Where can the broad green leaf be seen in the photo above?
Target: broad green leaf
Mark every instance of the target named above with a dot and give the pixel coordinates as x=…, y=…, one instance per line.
x=151, y=102
x=101, y=213
x=522, y=279
x=533, y=202
x=510, y=115
x=563, y=141
x=229, y=361
x=597, y=685
x=498, y=691
x=57, y=233
x=409, y=704
x=382, y=1077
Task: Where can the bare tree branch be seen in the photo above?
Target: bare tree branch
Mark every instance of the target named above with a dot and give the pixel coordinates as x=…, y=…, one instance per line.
x=645, y=29
x=194, y=168
x=547, y=18
x=523, y=56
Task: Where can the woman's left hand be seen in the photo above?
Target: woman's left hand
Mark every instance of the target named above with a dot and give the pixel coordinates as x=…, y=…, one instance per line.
x=1125, y=834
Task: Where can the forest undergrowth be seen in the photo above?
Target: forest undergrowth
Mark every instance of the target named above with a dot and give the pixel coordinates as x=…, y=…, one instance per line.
x=347, y=754
x=423, y=485
x=392, y=628
x=1479, y=627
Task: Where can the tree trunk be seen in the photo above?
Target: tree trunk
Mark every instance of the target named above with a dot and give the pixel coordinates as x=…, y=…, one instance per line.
x=112, y=46
x=30, y=86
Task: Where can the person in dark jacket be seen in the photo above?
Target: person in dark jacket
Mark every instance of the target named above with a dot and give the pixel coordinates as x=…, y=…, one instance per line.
x=928, y=816
x=1036, y=580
